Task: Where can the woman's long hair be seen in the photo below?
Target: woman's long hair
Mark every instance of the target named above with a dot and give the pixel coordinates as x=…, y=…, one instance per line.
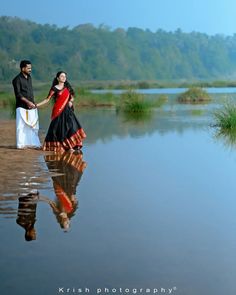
x=67, y=84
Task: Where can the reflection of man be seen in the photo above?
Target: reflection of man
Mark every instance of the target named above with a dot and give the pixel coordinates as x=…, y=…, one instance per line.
x=26, y=113
x=27, y=214
x=69, y=168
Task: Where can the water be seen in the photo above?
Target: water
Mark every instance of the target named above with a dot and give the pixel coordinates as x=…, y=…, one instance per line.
x=211, y=90
x=154, y=209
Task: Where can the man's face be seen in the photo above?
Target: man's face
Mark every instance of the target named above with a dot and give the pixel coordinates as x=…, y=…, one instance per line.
x=27, y=70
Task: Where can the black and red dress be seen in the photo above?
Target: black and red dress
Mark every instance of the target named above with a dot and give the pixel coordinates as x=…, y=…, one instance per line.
x=65, y=131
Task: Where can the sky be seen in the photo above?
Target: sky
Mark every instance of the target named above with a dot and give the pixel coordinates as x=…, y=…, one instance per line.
x=205, y=16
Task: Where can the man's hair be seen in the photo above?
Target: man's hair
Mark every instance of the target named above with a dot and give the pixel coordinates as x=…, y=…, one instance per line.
x=24, y=63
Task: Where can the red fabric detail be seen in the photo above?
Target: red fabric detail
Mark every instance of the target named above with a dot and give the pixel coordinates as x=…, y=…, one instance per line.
x=82, y=133
x=69, y=143
x=51, y=93
x=63, y=198
x=61, y=102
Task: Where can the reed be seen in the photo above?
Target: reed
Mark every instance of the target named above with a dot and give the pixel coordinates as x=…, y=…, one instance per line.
x=225, y=118
x=133, y=102
x=227, y=136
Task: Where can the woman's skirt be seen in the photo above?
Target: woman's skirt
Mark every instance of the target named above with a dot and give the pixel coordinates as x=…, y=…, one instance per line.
x=64, y=133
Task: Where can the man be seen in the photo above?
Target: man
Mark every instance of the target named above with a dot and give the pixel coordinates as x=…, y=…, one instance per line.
x=27, y=124
x=27, y=214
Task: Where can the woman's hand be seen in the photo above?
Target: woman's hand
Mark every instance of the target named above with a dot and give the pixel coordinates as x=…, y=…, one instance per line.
x=45, y=101
x=70, y=104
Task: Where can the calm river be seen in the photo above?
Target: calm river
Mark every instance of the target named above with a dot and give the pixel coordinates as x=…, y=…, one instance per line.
x=154, y=205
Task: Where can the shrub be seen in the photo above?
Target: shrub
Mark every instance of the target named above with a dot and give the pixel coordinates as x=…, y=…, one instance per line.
x=225, y=118
x=194, y=95
x=133, y=102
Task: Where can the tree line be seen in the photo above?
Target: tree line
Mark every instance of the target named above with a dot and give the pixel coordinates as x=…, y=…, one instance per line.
x=99, y=53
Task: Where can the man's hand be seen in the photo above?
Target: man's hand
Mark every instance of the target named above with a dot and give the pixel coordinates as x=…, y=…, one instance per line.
x=31, y=105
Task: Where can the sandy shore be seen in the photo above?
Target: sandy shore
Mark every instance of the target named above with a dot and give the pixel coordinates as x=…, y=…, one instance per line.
x=21, y=170
x=8, y=134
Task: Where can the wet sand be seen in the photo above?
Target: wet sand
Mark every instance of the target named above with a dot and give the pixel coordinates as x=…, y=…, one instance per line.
x=21, y=170
x=7, y=134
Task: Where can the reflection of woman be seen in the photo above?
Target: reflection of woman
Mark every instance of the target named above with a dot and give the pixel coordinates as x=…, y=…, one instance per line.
x=65, y=131
x=67, y=169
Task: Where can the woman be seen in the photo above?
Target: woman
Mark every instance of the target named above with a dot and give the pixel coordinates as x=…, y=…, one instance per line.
x=65, y=131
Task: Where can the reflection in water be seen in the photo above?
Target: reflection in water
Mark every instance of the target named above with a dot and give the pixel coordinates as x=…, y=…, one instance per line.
x=25, y=182
x=67, y=169
x=137, y=117
x=27, y=214
x=227, y=136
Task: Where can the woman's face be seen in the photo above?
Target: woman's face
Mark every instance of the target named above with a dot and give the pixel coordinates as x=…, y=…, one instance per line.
x=62, y=78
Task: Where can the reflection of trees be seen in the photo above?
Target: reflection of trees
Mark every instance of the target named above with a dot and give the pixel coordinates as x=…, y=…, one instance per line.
x=136, y=118
x=104, y=124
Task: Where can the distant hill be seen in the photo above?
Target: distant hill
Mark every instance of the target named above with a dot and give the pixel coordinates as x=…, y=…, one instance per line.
x=97, y=53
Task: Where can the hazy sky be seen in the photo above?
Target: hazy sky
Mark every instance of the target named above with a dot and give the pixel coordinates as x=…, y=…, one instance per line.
x=207, y=16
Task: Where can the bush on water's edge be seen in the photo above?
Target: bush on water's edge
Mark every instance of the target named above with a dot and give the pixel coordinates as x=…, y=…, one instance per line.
x=135, y=103
x=129, y=101
x=225, y=123
x=225, y=118
x=194, y=95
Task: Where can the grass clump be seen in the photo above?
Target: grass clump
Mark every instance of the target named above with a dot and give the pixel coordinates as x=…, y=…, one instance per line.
x=89, y=99
x=159, y=100
x=194, y=95
x=225, y=118
x=132, y=102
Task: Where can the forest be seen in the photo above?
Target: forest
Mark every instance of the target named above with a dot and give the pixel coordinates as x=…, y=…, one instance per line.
x=89, y=53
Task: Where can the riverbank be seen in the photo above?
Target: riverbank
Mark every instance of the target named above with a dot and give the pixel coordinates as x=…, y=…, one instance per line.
x=8, y=134
x=79, y=86
x=16, y=164
x=86, y=95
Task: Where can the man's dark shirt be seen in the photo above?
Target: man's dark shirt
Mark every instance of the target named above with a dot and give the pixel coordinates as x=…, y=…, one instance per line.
x=27, y=210
x=23, y=88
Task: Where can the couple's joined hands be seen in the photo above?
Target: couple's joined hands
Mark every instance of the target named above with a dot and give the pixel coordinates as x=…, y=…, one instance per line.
x=32, y=105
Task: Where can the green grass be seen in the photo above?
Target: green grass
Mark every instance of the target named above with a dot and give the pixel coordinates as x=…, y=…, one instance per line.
x=197, y=112
x=227, y=136
x=194, y=95
x=137, y=107
x=225, y=118
x=134, y=106
x=5, y=98
x=85, y=98
x=158, y=100
x=132, y=102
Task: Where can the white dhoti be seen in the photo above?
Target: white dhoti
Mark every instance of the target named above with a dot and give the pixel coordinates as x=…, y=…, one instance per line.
x=27, y=127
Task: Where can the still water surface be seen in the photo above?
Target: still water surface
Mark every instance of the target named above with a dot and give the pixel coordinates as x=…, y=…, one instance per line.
x=169, y=90
x=152, y=207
